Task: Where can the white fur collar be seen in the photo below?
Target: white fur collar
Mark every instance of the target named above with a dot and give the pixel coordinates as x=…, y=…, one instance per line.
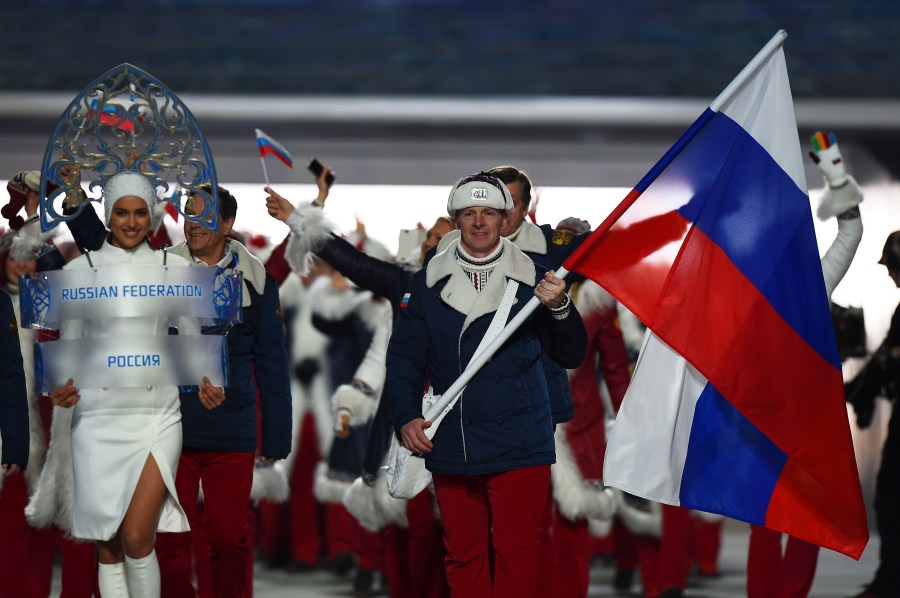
x=528, y=238
x=336, y=304
x=310, y=231
x=459, y=292
x=253, y=270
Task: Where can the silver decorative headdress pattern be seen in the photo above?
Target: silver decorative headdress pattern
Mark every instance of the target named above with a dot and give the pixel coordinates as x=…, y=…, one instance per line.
x=127, y=120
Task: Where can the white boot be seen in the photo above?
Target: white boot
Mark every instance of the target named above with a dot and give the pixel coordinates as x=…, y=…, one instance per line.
x=111, y=579
x=143, y=576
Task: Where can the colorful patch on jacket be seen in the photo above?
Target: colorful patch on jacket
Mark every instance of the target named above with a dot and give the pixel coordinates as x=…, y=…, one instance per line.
x=13, y=326
x=562, y=237
x=405, y=301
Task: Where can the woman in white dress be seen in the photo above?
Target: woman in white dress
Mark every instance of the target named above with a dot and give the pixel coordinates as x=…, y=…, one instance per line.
x=125, y=441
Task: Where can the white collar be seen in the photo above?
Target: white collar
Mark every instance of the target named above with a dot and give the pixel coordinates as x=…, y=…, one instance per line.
x=254, y=271
x=459, y=293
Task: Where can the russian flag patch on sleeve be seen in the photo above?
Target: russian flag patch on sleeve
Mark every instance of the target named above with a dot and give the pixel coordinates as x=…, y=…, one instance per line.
x=405, y=301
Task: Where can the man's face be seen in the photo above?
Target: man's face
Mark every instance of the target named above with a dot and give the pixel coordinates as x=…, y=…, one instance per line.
x=434, y=236
x=16, y=269
x=479, y=229
x=205, y=244
x=517, y=215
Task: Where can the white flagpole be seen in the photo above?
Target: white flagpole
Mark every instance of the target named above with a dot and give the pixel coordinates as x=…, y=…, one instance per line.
x=748, y=71
x=262, y=161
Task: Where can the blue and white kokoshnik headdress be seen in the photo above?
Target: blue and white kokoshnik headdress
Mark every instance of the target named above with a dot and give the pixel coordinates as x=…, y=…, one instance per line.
x=131, y=136
x=127, y=120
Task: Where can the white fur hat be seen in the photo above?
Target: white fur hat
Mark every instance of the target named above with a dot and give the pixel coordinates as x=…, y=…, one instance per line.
x=128, y=183
x=479, y=190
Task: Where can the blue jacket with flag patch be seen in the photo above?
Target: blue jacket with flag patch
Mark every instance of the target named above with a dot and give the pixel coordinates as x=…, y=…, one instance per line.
x=503, y=420
x=548, y=249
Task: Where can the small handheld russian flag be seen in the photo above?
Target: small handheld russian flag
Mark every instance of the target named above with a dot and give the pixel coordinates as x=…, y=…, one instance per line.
x=267, y=145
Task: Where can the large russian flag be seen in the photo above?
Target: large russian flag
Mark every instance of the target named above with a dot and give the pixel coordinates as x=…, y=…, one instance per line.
x=737, y=403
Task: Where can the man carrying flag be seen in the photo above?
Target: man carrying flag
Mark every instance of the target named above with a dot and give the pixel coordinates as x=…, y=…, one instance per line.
x=749, y=434
x=490, y=458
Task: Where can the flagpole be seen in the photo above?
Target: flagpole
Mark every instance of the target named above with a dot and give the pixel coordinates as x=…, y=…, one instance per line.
x=262, y=160
x=770, y=48
x=755, y=63
x=457, y=387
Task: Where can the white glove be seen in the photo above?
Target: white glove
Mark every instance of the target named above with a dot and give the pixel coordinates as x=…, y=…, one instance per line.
x=827, y=156
x=843, y=193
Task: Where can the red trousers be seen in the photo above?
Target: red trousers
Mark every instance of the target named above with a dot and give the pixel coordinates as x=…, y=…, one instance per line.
x=665, y=563
x=571, y=544
x=27, y=553
x=294, y=530
x=396, y=564
x=79, y=569
x=491, y=530
x=706, y=543
x=25, y=557
x=347, y=536
x=426, y=552
x=226, y=479
x=773, y=575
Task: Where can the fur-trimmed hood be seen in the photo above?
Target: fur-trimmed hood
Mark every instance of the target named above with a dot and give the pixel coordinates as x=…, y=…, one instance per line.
x=460, y=294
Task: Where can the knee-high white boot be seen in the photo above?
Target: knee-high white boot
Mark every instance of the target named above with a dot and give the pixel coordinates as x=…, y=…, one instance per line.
x=111, y=579
x=142, y=576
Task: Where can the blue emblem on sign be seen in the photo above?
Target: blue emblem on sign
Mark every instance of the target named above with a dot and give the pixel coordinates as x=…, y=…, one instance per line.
x=228, y=293
x=34, y=296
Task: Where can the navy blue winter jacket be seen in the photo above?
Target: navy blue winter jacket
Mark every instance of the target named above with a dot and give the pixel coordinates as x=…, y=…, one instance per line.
x=548, y=249
x=503, y=421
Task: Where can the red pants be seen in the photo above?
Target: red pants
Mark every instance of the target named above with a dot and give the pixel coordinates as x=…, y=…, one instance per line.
x=426, y=552
x=491, y=530
x=547, y=574
x=293, y=530
x=26, y=553
x=706, y=543
x=347, y=536
x=226, y=478
x=625, y=546
x=396, y=564
x=79, y=569
x=665, y=563
x=773, y=575
x=571, y=544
